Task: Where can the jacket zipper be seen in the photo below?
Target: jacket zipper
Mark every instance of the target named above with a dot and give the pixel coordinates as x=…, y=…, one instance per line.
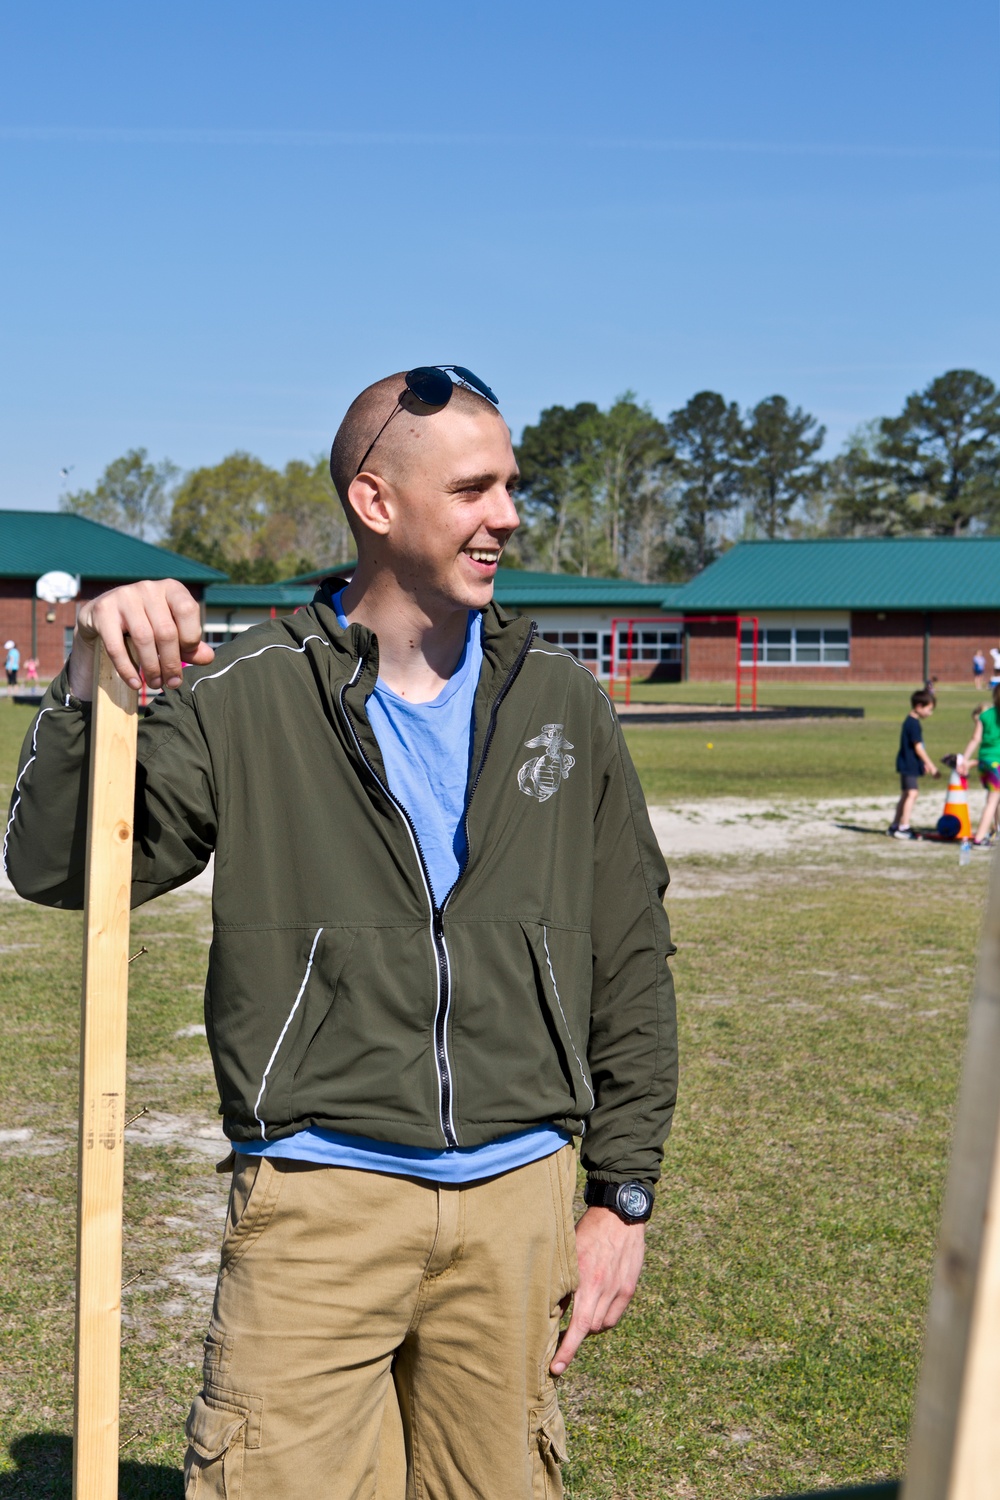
x=490, y=728
x=442, y=1058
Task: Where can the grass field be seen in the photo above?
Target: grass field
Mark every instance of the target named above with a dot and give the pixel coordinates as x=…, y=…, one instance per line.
x=774, y=1341
x=813, y=758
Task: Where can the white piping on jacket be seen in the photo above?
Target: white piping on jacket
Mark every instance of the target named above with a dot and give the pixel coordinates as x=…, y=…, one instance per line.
x=565, y=656
x=555, y=989
x=15, y=800
x=274, y=646
x=281, y=1038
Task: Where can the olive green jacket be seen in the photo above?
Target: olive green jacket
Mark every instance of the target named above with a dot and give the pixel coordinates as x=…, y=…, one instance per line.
x=338, y=994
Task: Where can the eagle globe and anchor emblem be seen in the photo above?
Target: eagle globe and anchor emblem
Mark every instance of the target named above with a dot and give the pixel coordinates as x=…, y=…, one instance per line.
x=542, y=776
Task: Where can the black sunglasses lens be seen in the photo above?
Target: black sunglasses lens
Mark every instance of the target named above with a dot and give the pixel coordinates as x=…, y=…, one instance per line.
x=429, y=385
x=476, y=383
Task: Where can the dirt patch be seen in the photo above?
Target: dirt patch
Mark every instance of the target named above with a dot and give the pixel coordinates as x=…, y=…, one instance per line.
x=25, y=1142
x=158, y=1128
x=740, y=826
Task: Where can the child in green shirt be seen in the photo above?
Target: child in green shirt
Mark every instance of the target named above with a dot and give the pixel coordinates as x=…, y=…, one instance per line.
x=985, y=745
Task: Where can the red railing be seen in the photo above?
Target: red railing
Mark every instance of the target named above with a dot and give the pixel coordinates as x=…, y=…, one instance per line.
x=743, y=669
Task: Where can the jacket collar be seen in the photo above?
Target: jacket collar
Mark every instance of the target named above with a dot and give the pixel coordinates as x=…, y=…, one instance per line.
x=503, y=634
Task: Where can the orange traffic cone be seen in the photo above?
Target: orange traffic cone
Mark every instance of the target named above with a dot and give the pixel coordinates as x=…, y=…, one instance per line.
x=956, y=805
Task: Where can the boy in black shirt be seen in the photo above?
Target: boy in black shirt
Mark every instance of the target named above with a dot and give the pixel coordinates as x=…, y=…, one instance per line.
x=911, y=763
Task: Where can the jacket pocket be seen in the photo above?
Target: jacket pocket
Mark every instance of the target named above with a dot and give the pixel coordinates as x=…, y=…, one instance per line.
x=213, y=1464
x=270, y=991
x=552, y=989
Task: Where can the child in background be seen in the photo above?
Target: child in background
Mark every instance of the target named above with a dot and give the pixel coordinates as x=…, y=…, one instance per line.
x=985, y=745
x=911, y=762
x=31, y=670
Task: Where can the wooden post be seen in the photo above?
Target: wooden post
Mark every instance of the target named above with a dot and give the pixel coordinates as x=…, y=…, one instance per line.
x=102, y=1086
x=954, y=1451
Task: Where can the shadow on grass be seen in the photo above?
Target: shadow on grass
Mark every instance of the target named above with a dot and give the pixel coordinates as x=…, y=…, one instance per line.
x=45, y=1472
x=923, y=835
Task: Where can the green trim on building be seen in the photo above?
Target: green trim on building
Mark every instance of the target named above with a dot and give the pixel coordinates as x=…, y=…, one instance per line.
x=517, y=588
x=33, y=542
x=880, y=573
x=283, y=596
x=318, y=574
x=520, y=589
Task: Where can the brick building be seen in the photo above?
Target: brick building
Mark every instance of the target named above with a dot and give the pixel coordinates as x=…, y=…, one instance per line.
x=887, y=609
x=34, y=542
x=862, y=610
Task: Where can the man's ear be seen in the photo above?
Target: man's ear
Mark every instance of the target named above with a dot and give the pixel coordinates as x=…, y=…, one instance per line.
x=367, y=497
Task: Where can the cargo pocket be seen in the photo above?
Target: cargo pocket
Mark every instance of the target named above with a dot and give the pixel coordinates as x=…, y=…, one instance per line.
x=548, y=1450
x=213, y=1464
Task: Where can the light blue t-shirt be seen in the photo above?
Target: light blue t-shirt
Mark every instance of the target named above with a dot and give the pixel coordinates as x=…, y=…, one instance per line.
x=426, y=748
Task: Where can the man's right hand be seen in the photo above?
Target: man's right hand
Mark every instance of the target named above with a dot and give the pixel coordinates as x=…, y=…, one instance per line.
x=163, y=622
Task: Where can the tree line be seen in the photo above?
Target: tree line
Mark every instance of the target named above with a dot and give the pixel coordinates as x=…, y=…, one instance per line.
x=615, y=492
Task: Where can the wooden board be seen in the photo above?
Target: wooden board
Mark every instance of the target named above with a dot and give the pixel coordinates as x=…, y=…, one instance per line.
x=102, y=1086
x=954, y=1451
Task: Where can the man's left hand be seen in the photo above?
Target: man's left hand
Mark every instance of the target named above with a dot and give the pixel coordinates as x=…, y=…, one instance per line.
x=610, y=1253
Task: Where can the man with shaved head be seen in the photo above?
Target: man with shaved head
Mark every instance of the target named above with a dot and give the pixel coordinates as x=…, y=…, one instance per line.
x=439, y=960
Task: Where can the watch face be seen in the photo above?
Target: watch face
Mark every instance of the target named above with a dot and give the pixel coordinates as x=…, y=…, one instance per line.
x=634, y=1200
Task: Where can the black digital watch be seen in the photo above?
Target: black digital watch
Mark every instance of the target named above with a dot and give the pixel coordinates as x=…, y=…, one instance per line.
x=631, y=1201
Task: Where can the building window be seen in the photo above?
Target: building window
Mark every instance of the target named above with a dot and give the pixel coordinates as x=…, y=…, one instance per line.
x=801, y=646
x=68, y=633
x=579, y=643
x=650, y=645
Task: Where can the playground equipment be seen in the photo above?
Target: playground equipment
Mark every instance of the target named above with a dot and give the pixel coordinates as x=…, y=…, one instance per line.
x=629, y=651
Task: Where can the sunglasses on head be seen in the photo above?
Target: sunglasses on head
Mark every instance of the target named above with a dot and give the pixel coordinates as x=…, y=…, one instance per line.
x=431, y=385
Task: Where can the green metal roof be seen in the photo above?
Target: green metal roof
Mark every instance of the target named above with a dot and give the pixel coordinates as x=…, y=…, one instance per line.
x=33, y=542
x=884, y=573
x=283, y=596
x=518, y=588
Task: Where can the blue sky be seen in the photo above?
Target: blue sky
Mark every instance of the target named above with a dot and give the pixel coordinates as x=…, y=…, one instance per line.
x=221, y=221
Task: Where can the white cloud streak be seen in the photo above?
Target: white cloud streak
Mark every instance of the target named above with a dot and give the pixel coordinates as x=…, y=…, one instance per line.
x=119, y=135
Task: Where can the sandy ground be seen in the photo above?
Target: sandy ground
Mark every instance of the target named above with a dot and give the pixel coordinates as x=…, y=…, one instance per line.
x=732, y=827
x=740, y=826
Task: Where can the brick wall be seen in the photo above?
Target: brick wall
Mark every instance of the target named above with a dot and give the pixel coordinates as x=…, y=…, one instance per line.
x=16, y=595
x=955, y=636
x=711, y=650
x=890, y=649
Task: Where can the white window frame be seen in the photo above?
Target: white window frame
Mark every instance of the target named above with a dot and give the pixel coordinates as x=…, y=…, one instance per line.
x=806, y=645
x=651, y=644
